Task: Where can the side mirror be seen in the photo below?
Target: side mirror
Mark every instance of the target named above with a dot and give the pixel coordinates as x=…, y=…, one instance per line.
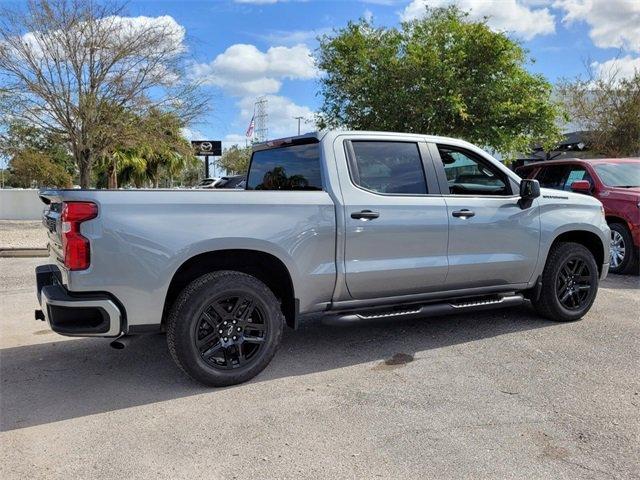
x=581, y=186
x=529, y=189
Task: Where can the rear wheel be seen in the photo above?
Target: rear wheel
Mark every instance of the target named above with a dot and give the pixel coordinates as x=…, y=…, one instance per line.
x=569, y=283
x=224, y=328
x=621, y=249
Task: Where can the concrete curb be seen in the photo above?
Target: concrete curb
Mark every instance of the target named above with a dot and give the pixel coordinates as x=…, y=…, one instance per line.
x=23, y=252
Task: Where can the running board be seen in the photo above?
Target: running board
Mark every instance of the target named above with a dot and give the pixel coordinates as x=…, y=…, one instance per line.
x=441, y=308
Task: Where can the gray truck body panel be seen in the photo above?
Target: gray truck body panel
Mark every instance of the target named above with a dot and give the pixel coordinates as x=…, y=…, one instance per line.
x=415, y=250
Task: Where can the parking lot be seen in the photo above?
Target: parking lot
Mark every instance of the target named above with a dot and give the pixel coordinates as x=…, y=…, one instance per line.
x=501, y=394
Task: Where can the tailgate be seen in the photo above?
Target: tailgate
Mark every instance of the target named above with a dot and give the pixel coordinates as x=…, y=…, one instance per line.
x=51, y=221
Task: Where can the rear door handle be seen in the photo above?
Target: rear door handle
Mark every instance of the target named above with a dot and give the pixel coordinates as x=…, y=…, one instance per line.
x=464, y=213
x=365, y=215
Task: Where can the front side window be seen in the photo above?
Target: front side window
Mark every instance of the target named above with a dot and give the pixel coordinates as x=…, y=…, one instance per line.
x=388, y=167
x=467, y=174
x=295, y=167
x=575, y=174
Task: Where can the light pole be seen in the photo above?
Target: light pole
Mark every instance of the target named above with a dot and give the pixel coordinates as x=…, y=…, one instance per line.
x=299, y=119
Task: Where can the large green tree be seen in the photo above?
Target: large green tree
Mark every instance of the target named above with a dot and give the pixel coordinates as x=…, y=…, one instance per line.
x=442, y=74
x=36, y=169
x=19, y=137
x=151, y=150
x=607, y=106
x=235, y=160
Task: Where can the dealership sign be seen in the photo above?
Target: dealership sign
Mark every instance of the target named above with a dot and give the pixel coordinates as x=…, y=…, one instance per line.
x=207, y=148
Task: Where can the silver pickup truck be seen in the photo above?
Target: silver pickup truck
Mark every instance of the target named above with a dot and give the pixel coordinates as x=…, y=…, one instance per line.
x=357, y=225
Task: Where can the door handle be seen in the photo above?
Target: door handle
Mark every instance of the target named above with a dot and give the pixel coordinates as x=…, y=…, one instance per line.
x=464, y=213
x=365, y=215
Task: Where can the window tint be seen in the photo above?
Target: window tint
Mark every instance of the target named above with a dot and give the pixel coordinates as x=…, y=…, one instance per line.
x=469, y=175
x=560, y=177
x=553, y=176
x=296, y=167
x=388, y=167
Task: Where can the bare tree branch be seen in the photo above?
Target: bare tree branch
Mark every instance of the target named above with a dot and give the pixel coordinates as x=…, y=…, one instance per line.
x=72, y=66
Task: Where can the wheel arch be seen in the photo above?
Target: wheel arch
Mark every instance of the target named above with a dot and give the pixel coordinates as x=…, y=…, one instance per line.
x=586, y=238
x=616, y=219
x=268, y=268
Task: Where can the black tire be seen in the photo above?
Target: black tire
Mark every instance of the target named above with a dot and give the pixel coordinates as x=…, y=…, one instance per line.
x=557, y=282
x=622, y=244
x=197, y=317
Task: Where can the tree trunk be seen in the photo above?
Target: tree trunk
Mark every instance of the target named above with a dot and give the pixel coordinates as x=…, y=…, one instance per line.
x=112, y=175
x=85, y=168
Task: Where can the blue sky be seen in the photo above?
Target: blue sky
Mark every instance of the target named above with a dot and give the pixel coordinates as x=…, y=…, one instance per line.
x=244, y=48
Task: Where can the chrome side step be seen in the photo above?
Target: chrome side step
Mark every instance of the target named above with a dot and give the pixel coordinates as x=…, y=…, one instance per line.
x=430, y=309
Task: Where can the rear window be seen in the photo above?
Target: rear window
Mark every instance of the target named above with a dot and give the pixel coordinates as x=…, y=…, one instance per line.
x=296, y=167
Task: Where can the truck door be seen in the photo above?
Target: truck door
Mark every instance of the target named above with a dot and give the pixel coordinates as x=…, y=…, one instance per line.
x=492, y=239
x=396, y=221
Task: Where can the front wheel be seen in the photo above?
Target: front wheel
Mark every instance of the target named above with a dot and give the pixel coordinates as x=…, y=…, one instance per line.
x=224, y=328
x=569, y=283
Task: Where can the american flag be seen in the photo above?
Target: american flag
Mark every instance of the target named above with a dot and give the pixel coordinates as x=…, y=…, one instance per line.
x=252, y=125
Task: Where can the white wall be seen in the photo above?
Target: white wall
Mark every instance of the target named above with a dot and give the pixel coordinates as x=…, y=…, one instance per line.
x=18, y=204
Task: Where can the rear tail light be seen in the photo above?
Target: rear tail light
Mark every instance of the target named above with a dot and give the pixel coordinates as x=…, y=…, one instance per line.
x=76, y=248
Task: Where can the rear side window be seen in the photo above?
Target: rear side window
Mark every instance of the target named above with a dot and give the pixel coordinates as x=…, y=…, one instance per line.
x=388, y=167
x=553, y=176
x=295, y=167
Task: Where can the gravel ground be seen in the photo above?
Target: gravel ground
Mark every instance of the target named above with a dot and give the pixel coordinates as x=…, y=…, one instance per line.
x=500, y=394
x=22, y=234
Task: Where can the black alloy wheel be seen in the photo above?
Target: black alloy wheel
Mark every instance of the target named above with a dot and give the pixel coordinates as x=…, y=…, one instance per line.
x=224, y=328
x=569, y=283
x=574, y=283
x=231, y=331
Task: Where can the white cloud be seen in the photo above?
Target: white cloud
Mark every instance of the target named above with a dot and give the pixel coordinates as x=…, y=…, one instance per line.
x=192, y=134
x=506, y=15
x=613, y=23
x=243, y=70
x=281, y=115
x=368, y=15
x=623, y=67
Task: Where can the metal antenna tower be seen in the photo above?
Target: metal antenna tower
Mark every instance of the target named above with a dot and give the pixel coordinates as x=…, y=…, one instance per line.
x=261, y=117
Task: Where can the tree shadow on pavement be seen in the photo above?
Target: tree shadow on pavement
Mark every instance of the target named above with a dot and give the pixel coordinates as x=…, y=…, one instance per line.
x=61, y=380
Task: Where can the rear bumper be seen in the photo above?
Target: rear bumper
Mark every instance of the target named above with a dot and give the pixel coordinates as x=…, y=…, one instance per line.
x=74, y=314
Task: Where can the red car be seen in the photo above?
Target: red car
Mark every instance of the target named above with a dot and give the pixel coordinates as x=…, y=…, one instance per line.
x=613, y=181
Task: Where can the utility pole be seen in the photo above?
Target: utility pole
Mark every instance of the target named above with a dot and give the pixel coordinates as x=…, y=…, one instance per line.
x=299, y=119
x=261, y=117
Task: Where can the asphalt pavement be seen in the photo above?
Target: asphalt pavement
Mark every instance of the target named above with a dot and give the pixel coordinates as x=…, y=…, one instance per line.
x=500, y=394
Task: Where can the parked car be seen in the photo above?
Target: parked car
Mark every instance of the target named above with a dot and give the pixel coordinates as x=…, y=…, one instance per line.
x=208, y=182
x=354, y=225
x=613, y=181
x=229, y=182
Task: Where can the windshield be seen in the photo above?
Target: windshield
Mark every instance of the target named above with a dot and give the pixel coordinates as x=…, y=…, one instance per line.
x=619, y=174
